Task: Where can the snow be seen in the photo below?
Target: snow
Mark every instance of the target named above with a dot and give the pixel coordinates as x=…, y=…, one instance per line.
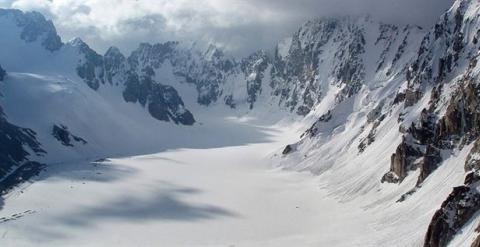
x=208, y=196
x=223, y=189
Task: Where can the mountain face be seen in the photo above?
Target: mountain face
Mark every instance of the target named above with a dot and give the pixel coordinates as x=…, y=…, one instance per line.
x=395, y=108
x=89, y=66
x=426, y=117
x=162, y=102
x=15, y=143
x=341, y=55
x=34, y=27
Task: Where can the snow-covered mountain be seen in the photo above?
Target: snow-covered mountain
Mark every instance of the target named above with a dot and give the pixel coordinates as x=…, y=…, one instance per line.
x=392, y=111
x=422, y=121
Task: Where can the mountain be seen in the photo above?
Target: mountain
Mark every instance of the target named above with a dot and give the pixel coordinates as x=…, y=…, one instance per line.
x=391, y=112
x=422, y=121
x=30, y=37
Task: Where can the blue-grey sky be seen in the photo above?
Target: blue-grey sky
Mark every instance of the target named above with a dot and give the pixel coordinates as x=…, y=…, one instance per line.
x=240, y=26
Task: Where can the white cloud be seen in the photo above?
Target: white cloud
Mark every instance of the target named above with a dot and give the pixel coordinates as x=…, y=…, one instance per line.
x=239, y=25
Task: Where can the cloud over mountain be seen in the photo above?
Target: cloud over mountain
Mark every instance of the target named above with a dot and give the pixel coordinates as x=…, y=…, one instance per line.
x=238, y=25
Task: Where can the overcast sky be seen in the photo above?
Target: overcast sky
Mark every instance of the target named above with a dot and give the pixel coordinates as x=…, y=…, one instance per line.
x=240, y=26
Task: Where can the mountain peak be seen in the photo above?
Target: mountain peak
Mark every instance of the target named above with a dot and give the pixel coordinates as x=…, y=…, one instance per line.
x=77, y=42
x=34, y=27
x=113, y=51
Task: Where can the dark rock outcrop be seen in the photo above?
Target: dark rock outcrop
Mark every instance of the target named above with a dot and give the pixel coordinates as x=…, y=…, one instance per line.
x=459, y=126
x=288, y=149
x=15, y=142
x=63, y=135
x=462, y=118
x=312, y=131
x=22, y=174
x=431, y=159
x=254, y=68
x=412, y=97
x=472, y=163
x=2, y=73
x=455, y=212
x=365, y=142
x=163, y=102
x=402, y=161
x=91, y=67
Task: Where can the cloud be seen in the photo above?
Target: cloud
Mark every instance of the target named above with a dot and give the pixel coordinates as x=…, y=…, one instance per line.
x=240, y=26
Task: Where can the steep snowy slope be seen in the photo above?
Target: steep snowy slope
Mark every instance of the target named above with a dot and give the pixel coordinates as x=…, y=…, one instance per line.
x=410, y=130
x=330, y=60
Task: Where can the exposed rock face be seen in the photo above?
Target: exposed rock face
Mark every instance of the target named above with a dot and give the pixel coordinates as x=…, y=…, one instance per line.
x=431, y=159
x=114, y=62
x=23, y=173
x=459, y=126
x=295, y=75
x=313, y=130
x=455, y=212
x=90, y=67
x=14, y=145
x=152, y=55
x=402, y=161
x=254, y=68
x=288, y=149
x=412, y=97
x=35, y=27
x=332, y=53
x=208, y=71
x=375, y=118
x=334, y=50
x=163, y=102
x=443, y=68
x=63, y=135
x=2, y=73
x=210, y=74
x=462, y=117
x=473, y=160
x=438, y=58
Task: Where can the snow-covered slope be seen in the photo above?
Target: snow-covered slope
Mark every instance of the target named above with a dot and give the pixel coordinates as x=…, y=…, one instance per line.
x=395, y=139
